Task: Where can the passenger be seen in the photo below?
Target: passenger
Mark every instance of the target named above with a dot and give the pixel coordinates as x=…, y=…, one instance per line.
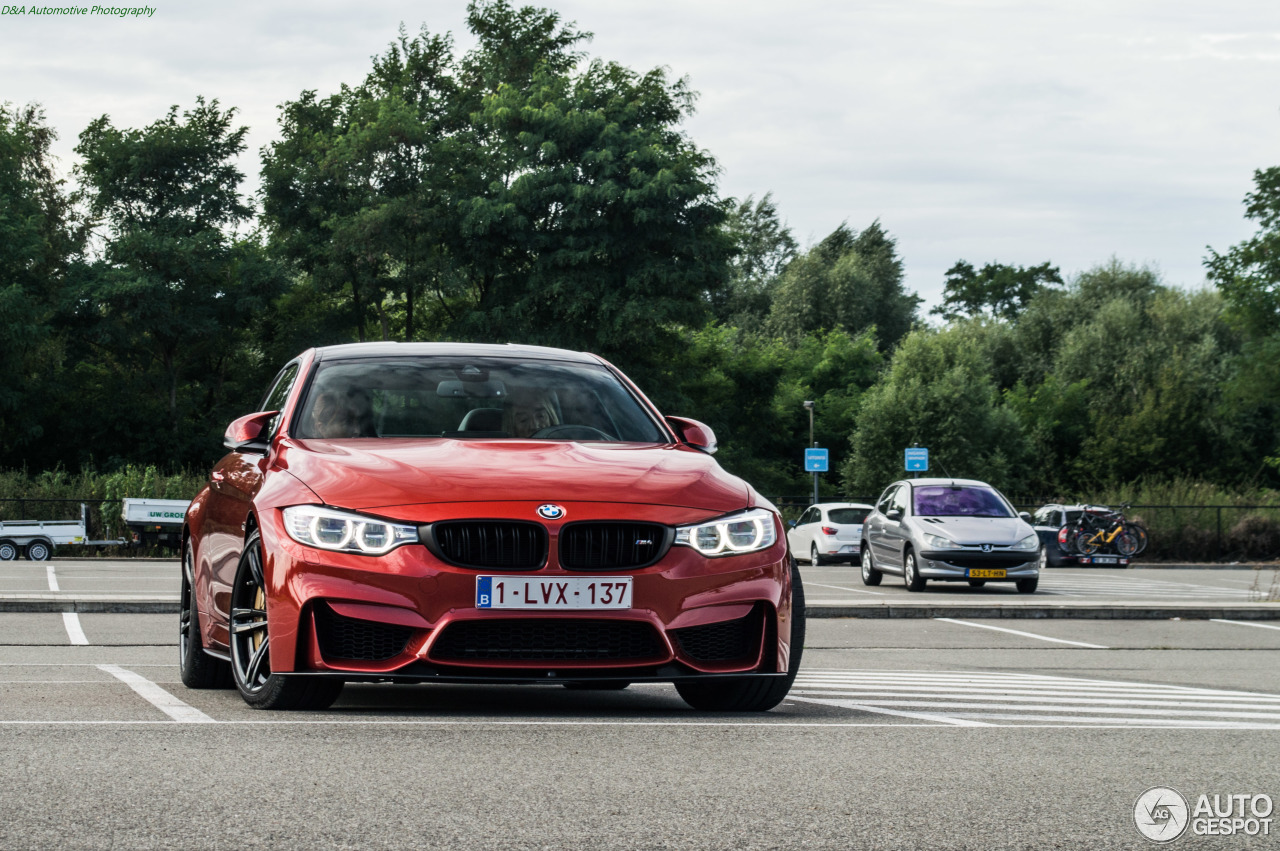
x=338, y=414
x=528, y=413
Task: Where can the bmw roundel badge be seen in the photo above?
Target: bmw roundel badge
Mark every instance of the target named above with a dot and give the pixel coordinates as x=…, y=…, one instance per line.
x=550, y=512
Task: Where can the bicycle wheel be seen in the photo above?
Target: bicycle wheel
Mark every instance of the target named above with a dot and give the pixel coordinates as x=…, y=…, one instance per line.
x=1126, y=543
x=1087, y=542
x=1139, y=534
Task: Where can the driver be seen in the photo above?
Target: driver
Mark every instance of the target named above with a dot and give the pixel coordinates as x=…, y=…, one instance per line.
x=528, y=413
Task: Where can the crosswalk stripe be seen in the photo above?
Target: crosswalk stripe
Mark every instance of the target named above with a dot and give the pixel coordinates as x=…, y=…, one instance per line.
x=986, y=697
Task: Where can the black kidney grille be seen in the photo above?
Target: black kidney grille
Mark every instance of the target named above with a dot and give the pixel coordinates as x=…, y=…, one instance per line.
x=722, y=642
x=547, y=640
x=492, y=544
x=348, y=638
x=611, y=546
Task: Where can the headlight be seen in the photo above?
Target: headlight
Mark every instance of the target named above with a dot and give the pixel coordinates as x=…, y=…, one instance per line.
x=1031, y=542
x=342, y=531
x=940, y=543
x=748, y=532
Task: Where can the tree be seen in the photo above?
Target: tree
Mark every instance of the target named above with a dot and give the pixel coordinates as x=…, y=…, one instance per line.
x=764, y=246
x=847, y=281
x=1249, y=273
x=41, y=236
x=998, y=291
x=164, y=309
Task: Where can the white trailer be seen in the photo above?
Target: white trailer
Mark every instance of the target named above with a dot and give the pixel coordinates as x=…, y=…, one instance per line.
x=36, y=538
x=155, y=521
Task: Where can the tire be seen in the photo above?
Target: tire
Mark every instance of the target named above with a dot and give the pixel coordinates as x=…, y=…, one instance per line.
x=1028, y=586
x=600, y=685
x=753, y=694
x=814, y=558
x=8, y=551
x=198, y=669
x=977, y=583
x=1087, y=543
x=911, y=574
x=39, y=551
x=1126, y=543
x=251, y=646
x=870, y=576
x=1139, y=533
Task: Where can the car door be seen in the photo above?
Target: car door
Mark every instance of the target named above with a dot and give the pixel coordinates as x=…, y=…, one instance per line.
x=896, y=532
x=882, y=531
x=233, y=484
x=802, y=535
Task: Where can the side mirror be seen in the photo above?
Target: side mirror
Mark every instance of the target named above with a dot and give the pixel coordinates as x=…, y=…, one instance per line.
x=696, y=434
x=249, y=433
x=1025, y=515
x=791, y=523
x=893, y=514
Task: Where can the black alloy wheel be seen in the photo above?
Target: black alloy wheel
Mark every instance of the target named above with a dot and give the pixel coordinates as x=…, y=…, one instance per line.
x=911, y=573
x=870, y=576
x=198, y=669
x=753, y=694
x=251, y=647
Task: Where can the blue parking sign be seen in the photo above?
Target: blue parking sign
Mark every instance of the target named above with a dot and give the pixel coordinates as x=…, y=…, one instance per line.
x=815, y=460
x=917, y=459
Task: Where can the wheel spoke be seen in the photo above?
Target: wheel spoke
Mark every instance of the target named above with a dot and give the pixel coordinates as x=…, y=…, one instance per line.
x=251, y=626
x=256, y=663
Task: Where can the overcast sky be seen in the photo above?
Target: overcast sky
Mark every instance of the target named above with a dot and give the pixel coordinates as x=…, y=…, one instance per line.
x=1016, y=132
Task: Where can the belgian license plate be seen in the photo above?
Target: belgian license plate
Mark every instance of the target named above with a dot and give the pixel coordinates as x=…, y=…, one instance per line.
x=570, y=592
x=986, y=574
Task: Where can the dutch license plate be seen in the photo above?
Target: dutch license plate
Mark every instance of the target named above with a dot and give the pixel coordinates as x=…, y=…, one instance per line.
x=570, y=592
x=986, y=574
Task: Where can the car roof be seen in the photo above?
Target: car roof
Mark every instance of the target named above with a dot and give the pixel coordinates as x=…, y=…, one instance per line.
x=942, y=481
x=826, y=505
x=350, y=351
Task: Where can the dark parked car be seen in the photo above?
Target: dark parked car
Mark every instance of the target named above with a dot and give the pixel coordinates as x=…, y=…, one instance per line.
x=1048, y=522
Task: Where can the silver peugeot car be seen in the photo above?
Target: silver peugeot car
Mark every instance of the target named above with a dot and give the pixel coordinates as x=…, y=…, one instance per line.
x=953, y=530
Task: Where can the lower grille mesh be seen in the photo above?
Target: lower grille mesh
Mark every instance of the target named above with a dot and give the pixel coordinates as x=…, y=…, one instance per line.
x=366, y=641
x=721, y=642
x=547, y=640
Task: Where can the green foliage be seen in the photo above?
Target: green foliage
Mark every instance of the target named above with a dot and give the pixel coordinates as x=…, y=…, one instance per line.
x=764, y=246
x=997, y=290
x=938, y=392
x=847, y=281
x=1249, y=273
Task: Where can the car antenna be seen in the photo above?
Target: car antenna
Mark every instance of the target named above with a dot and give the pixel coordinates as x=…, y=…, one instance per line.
x=947, y=473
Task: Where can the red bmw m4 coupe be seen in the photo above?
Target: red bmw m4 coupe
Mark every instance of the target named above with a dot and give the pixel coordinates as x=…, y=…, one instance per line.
x=480, y=514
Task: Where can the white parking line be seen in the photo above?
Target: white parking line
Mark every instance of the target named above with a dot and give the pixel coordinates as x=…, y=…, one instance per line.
x=1246, y=623
x=842, y=588
x=53, y=580
x=158, y=697
x=71, y=621
x=1024, y=634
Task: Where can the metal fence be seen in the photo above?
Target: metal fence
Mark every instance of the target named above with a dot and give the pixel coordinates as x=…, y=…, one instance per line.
x=1194, y=533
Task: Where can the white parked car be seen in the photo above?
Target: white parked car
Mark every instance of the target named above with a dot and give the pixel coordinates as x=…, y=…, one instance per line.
x=829, y=532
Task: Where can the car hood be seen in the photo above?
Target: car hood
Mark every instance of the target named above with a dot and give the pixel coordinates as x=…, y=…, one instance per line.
x=1001, y=531
x=366, y=474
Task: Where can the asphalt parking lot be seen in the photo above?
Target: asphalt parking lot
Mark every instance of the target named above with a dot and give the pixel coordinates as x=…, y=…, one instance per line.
x=913, y=733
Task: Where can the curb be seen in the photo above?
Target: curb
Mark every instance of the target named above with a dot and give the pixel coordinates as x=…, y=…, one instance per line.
x=108, y=604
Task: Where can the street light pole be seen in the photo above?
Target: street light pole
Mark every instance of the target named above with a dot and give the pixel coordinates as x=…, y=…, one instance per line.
x=809, y=405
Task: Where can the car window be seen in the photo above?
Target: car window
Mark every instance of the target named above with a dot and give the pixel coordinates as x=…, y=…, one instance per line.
x=960, y=501
x=1044, y=517
x=886, y=499
x=810, y=516
x=1072, y=517
x=481, y=398
x=278, y=395
x=899, y=500
x=847, y=516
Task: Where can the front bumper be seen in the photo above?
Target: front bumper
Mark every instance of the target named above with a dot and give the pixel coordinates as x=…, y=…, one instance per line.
x=409, y=615
x=955, y=566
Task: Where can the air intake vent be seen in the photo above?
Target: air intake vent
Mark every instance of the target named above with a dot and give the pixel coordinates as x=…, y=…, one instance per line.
x=612, y=546
x=726, y=641
x=545, y=640
x=366, y=641
x=490, y=544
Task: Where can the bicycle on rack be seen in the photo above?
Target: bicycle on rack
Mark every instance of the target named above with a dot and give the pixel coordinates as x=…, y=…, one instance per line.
x=1099, y=527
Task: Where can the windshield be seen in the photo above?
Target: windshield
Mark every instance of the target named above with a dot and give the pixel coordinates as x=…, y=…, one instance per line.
x=848, y=516
x=959, y=501
x=474, y=398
